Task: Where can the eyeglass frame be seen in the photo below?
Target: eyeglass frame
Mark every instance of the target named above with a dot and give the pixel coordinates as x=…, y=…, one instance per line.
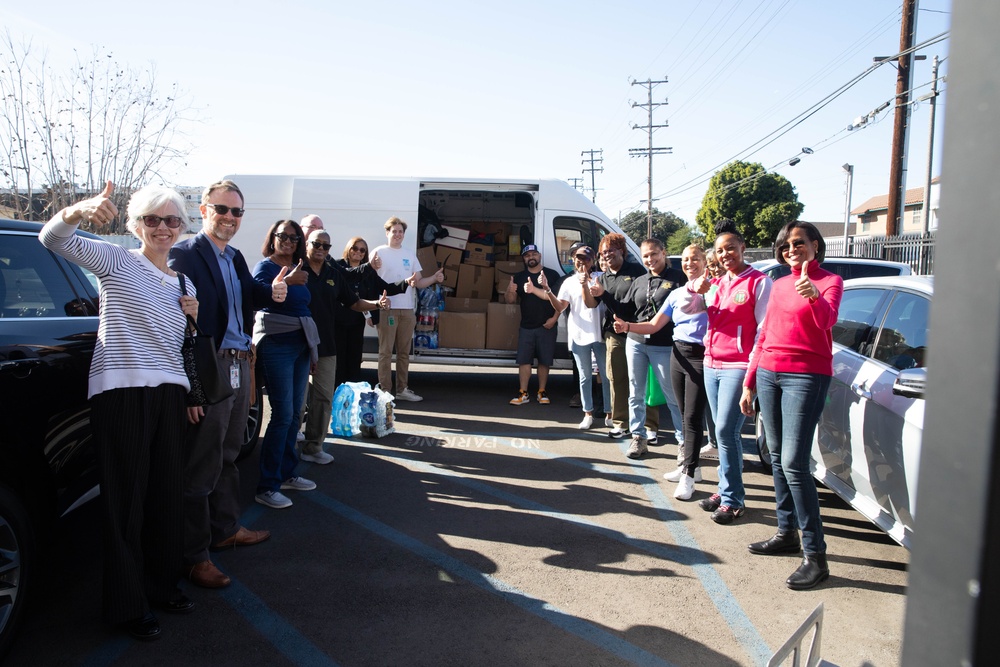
x=145, y=219
x=287, y=238
x=318, y=245
x=222, y=209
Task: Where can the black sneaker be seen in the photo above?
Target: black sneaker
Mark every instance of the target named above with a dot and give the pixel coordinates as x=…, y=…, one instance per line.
x=726, y=514
x=618, y=434
x=711, y=503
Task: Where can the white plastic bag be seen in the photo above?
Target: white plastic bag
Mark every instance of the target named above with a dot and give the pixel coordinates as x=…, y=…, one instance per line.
x=376, y=408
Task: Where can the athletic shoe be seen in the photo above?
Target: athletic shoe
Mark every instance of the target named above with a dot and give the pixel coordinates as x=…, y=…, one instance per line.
x=575, y=401
x=711, y=503
x=617, y=433
x=637, y=448
x=685, y=488
x=273, y=499
x=319, y=457
x=650, y=436
x=588, y=421
x=709, y=450
x=408, y=395
x=726, y=514
x=679, y=474
x=521, y=399
x=298, y=484
x=300, y=437
x=542, y=398
x=609, y=422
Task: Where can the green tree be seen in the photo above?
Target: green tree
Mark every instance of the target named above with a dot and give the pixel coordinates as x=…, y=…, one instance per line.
x=759, y=202
x=682, y=238
x=664, y=224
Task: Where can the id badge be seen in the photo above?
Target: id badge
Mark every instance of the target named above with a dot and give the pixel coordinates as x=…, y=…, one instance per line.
x=392, y=321
x=234, y=375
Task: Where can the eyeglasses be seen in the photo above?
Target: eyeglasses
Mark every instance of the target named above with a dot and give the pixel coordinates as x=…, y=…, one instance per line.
x=355, y=248
x=609, y=251
x=320, y=246
x=222, y=209
x=290, y=238
x=797, y=243
x=153, y=221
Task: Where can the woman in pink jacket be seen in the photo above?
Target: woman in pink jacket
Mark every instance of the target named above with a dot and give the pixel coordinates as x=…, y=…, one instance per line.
x=791, y=376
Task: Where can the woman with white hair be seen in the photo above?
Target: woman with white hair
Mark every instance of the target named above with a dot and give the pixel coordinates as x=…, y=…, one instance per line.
x=138, y=397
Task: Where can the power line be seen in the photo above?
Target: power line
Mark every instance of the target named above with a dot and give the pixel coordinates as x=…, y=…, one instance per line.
x=593, y=160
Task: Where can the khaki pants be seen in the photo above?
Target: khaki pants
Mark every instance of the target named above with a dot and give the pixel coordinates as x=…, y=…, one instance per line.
x=395, y=329
x=618, y=377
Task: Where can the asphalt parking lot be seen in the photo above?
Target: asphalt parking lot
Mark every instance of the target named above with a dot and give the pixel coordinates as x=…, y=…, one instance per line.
x=486, y=534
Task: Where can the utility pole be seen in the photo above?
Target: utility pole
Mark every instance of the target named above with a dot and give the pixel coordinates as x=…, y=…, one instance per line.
x=649, y=151
x=904, y=78
x=577, y=183
x=930, y=149
x=592, y=160
x=849, y=169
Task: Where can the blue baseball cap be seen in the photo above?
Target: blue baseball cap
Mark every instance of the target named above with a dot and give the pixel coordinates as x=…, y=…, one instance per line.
x=529, y=248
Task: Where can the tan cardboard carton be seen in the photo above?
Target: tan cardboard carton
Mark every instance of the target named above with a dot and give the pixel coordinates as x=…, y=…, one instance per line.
x=462, y=330
x=478, y=254
x=428, y=261
x=457, y=238
x=454, y=304
x=475, y=282
x=502, y=324
x=504, y=271
x=514, y=245
x=499, y=230
x=449, y=259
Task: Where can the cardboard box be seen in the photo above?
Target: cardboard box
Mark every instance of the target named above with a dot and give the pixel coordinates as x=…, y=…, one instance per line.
x=475, y=282
x=503, y=271
x=498, y=230
x=462, y=330
x=428, y=261
x=478, y=254
x=449, y=259
x=514, y=245
x=457, y=238
x=500, y=253
x=454, y=304
x=502, y=324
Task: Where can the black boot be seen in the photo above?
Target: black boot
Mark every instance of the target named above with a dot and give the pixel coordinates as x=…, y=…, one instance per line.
x=781, y=543
x=812, y=571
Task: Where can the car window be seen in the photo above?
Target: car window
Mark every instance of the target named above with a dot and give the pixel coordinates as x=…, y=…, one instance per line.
x=570, y=230
x=778, y=271
x=859, y=309
x=33, y=283
x=902, y=343
x=871, y=271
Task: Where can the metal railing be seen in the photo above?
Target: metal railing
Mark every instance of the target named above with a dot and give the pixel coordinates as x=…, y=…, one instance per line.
x=793, y=647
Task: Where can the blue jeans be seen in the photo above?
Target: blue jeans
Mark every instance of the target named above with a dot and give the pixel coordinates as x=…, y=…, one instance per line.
x=724, y=387
x=640, y=357
x=286, y=375
x=582, y=355
x=790, y=405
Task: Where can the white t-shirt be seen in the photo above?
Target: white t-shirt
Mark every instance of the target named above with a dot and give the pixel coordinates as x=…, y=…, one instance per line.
x=398, y=264
x=583, y=324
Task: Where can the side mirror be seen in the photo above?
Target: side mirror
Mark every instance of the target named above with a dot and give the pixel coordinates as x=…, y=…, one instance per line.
x=910, y=383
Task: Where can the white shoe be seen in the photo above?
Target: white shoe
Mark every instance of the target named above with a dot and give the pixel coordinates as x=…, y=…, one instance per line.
x=609, y=422
x=298, y=484
x=709, y=450
x=300, y=437
x=273, y=499
x=678, y=475
x=588, y=421
x=319, y=457
x=408, y=395
x=685, y=488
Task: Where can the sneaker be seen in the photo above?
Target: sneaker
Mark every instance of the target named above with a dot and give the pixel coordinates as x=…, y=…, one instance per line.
x=678, y=475
x=726, y=514
x=273, y=499
x=617, y=433
x=319, y=457
x=588, y=421
x=300, y=437
x=543, y=399
x=609, y=422
x=685, y=488
x=521, y=399
x=575, y=401
x=650, y=436
x=408, y=395
x=709, y=450
x=298, y=484
x=711, y=503
x=637, y=448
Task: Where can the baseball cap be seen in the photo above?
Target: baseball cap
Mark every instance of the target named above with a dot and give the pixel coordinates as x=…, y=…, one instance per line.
x=529, y=248
x=584, y=250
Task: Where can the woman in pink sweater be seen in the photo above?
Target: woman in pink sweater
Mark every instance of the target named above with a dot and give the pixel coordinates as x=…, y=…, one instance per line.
x=791, y=376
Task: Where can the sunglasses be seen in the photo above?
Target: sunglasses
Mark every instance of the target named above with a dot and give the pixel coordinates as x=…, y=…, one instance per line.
x=290, y=238
x=797, y=243
x=355, y=248
x=320, y=246
x=153, y=221
x=222, y=209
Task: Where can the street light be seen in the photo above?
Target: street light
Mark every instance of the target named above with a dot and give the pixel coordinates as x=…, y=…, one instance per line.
x=849, y=168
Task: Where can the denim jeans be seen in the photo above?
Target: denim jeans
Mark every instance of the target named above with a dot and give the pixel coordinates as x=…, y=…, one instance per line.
x=286, y=374
x=790, y=405
x=582, y=356
x=640, y=357
x=724, y=387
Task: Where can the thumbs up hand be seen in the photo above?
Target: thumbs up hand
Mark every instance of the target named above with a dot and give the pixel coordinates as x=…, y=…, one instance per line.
x=279, y=289
x=98, y=210
x=804, y=286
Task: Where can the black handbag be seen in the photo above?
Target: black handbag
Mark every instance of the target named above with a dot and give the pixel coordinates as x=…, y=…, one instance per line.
x=209, y=384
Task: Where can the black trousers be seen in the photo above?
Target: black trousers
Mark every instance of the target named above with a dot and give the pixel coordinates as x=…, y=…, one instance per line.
x=139, y=432
x=350, y=342
x=688, y=380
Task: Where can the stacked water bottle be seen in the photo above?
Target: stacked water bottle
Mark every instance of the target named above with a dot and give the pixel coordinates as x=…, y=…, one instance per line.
x=430, y=303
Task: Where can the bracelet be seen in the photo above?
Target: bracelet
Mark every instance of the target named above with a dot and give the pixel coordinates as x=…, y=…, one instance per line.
x=628, y=327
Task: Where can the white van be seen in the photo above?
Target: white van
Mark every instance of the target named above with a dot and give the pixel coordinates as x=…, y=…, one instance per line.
x=547, y=213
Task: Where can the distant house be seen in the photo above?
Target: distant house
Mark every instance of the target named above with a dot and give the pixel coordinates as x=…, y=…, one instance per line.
x=873, y=214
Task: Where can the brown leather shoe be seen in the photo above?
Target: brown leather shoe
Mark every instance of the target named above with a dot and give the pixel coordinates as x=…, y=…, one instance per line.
x=242, y=538
x=206, y=575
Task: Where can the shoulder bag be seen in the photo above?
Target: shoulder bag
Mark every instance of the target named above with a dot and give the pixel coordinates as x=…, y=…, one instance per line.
x=201, y=363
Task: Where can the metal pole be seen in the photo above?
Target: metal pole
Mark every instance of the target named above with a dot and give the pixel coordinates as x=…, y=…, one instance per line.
x=849, y=168
x=897, y=161
x=930, y=149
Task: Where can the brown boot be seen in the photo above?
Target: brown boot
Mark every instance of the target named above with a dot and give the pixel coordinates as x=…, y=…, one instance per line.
x=206, y=575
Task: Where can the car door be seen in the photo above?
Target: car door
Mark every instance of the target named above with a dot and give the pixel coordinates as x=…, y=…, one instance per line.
x=889, y=426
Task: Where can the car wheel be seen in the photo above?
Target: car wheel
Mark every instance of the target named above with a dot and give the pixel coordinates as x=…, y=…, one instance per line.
x=16, y=553
x=762, y=449
x=252, y=432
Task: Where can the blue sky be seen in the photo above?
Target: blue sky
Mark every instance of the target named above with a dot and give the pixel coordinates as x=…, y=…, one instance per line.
x=520, y=89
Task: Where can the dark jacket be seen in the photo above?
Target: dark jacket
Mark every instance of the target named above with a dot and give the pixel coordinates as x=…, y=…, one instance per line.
x=330, y=292
x=365, y=282
x=196, y=258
